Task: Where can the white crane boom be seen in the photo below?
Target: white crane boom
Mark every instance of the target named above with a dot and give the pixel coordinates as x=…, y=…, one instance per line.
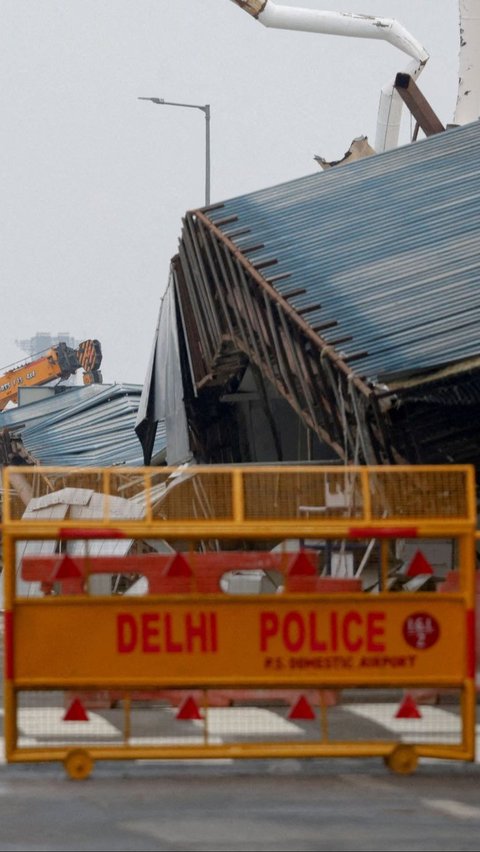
x=334, y=23
x=354, y=25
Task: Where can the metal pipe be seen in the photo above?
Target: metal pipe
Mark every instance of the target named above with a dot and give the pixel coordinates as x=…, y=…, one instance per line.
x=390, y=110
x=335, y=23
x=353, y=25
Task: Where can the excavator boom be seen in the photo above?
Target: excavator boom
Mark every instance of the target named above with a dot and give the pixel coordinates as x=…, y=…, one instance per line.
x=59, y=362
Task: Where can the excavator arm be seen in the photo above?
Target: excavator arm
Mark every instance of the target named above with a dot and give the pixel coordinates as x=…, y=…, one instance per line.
x=89, y=355
x=59, y=362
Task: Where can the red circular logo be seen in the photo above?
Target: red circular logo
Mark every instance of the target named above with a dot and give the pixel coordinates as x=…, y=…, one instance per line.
x=421, y=630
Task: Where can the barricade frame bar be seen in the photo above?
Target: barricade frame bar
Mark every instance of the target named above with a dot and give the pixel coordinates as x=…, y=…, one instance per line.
x=340, y=523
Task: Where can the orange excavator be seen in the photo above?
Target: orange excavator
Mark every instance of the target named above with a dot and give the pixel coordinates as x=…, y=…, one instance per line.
x=59, y=362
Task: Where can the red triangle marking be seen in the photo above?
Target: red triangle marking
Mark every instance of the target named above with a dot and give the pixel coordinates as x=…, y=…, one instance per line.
x=301, y=565
x=419, y=565
x=408, y=709
x=178, y=567
x=76, y=712
x=189, y=710
x=302, y=710
x=68, y=568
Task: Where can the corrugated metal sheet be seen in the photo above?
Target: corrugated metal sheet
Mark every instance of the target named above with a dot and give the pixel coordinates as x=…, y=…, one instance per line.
x=48, y=405
x=390, y=247
x=81, y=427
x=73, y=503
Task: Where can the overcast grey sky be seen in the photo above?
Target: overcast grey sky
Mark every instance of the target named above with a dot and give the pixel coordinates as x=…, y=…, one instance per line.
x=94, y=182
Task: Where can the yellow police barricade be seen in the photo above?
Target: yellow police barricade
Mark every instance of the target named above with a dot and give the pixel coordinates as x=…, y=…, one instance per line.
x=239, y=612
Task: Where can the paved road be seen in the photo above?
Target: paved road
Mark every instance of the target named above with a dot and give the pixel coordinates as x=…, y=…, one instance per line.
x=272, y=805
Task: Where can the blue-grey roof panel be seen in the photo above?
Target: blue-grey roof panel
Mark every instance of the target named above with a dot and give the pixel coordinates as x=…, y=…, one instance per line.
x=85, y=426
x=389, y=245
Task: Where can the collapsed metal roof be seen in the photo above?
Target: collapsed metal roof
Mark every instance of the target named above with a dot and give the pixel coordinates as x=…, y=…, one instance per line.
x=349, y=290
x=85, y=426
x=388, y=249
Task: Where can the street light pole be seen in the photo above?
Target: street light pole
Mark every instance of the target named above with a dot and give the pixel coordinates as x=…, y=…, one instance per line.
x=205, y=108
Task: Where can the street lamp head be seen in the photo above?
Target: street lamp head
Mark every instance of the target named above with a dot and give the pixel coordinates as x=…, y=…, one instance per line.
x=205, y=108
x=153, y=100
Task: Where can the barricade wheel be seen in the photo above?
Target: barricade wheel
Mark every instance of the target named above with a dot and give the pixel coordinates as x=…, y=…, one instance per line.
x=78, y=764
x=403, y=760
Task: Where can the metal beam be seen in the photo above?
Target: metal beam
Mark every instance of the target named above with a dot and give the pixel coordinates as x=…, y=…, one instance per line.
x=418, y=105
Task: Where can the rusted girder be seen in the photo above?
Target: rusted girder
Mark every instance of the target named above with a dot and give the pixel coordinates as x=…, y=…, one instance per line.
x=253, y=7
x=418, y=105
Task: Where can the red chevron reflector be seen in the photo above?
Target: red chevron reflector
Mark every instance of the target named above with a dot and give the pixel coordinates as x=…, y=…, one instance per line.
x=67, y=569
x=301, y=566
x=419, y=565
x=408, y=709
x=302, y=710
x=178, y=567
x=76, y=712
x=189, y=710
